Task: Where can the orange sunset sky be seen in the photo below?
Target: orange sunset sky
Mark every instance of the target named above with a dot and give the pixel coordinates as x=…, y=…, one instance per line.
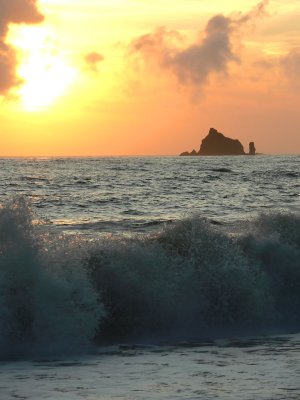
x=147, y=77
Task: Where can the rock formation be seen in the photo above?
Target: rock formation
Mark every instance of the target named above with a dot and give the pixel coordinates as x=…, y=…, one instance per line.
x=192, y=153
x=252, y=149
x=216, y=144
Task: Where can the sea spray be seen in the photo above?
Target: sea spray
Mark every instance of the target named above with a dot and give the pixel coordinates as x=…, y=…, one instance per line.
x=47, y=303
x=187, y=277
x=274, y=245
x=61, y=293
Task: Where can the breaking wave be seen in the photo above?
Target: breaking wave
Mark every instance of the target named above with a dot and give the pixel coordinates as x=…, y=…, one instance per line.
x=47, y=302
x=190, y=278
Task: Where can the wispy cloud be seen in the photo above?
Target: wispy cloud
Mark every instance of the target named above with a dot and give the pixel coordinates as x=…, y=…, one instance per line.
x=291, y=64
x=16, y=12
x=211, y=53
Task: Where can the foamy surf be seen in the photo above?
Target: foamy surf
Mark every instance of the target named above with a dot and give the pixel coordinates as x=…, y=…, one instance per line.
x=187, y=280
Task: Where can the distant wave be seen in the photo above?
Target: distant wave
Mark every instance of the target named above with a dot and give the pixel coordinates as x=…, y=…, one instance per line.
x=63, y=293
x=226, y=170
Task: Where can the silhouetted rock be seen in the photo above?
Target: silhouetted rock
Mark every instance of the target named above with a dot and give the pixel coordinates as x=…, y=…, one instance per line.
x=192, y=153
x=252, y=149
x=216, y=144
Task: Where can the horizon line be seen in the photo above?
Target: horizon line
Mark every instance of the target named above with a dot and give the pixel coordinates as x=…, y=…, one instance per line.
x=135, y=155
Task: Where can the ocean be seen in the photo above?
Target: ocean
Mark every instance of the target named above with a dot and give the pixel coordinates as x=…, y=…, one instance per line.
x=150, y=278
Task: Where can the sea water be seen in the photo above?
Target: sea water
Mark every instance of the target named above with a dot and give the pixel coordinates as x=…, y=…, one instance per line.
x=121, y=194
x=192, y=263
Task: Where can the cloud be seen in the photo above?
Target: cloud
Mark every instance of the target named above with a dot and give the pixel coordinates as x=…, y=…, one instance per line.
x=93, y=59
x=258, y=11
x=17, y=12
x=195, y=63
x=265, y=64
x=211, y=53
x=291, y=64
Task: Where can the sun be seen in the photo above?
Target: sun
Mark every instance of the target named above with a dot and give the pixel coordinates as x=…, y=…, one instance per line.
x=45, y=79
x=44, y=72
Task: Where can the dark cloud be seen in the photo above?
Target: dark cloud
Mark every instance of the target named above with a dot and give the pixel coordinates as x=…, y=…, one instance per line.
x=211, y=53
x=17, y=12
x=194, y=63
x=93, y=59
x=7, y=68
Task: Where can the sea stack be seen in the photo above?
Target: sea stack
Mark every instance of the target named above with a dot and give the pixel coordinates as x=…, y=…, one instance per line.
x=216, y=144
x=252, y=149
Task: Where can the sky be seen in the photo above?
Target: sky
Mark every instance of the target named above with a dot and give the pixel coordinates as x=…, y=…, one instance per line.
x=147, y=77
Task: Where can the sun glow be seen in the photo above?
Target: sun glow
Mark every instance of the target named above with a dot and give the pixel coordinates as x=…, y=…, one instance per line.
x=44, y=72
x=45, y=80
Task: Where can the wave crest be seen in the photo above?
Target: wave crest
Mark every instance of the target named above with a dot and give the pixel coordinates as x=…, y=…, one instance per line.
x=189, y=278
x=47, y=302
